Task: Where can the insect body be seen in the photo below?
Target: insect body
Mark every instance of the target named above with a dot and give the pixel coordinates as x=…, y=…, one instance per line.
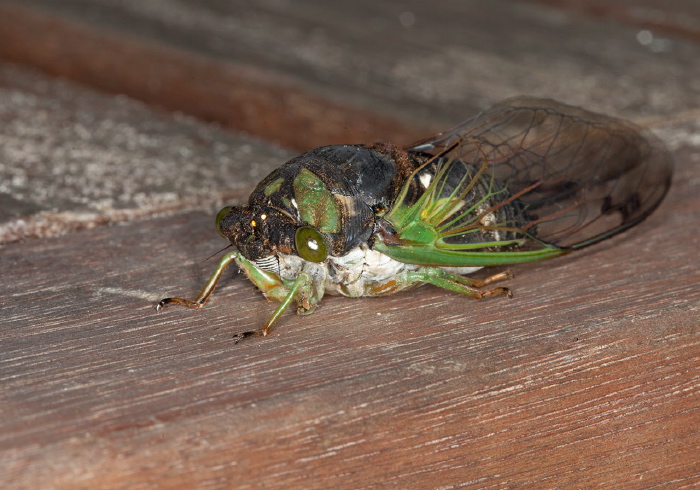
x=526, y=180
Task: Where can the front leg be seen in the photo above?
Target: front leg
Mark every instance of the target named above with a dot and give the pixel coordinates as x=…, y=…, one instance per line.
x=270, y=284
x=299, y=290
x=208, y=287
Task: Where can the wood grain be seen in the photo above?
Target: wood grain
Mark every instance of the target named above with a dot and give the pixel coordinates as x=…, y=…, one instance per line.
x=587, y=377
x=239, y=97
x=330, y=72
x=678, y=18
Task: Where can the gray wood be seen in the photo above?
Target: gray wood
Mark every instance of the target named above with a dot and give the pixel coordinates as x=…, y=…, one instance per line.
x=456, y=58
x=71, y=158
x=677, y=18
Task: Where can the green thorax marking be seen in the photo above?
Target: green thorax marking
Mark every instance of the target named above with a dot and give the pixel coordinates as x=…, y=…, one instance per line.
x=316, y=203
x=273, y=187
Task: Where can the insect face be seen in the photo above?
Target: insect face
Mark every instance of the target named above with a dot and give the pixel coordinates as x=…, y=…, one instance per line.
x=257, y=231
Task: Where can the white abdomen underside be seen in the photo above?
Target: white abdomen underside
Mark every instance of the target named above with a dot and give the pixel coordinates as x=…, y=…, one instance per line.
x=361, y=272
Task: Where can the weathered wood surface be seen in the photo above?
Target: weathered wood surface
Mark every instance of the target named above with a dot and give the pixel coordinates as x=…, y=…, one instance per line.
x=316, y=74
x=71, y=158
x=587, y=377
x=679, y=18
x=332, y=71
x=166, y=65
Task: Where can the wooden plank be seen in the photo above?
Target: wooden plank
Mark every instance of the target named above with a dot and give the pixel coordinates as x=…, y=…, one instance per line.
x=72, y=158
x=587, y=377
x=381, y=85
x=679, y=18
x=241, y=97
x=299, y=76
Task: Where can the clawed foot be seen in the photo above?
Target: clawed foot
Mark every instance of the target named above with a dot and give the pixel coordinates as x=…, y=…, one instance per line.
x=240, y=336
x=501, y=276
x=496, y=291
x=162, y=303
x=179, y=301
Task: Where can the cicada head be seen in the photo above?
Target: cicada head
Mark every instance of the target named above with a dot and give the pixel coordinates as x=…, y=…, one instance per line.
x=257, y=231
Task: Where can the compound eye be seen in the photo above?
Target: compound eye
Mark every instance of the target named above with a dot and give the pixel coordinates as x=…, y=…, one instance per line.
x=219, y=216
x=311, y=244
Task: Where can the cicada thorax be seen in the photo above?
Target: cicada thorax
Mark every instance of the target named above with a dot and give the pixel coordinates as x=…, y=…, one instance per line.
x=332, y=192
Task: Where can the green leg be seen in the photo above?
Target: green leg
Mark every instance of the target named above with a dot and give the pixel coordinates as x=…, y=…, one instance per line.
x=208, y=287
x=459, y=284
x=299, y=291
x=271, y=285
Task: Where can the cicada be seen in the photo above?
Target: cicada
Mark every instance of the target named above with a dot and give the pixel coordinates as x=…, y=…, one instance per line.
x=526, y=180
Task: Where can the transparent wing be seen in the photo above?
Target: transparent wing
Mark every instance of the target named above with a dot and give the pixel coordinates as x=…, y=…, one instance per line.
x=531, y=173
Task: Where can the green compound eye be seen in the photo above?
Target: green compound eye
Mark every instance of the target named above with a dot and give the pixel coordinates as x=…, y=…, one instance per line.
x=219, y=216
x=311, y=245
